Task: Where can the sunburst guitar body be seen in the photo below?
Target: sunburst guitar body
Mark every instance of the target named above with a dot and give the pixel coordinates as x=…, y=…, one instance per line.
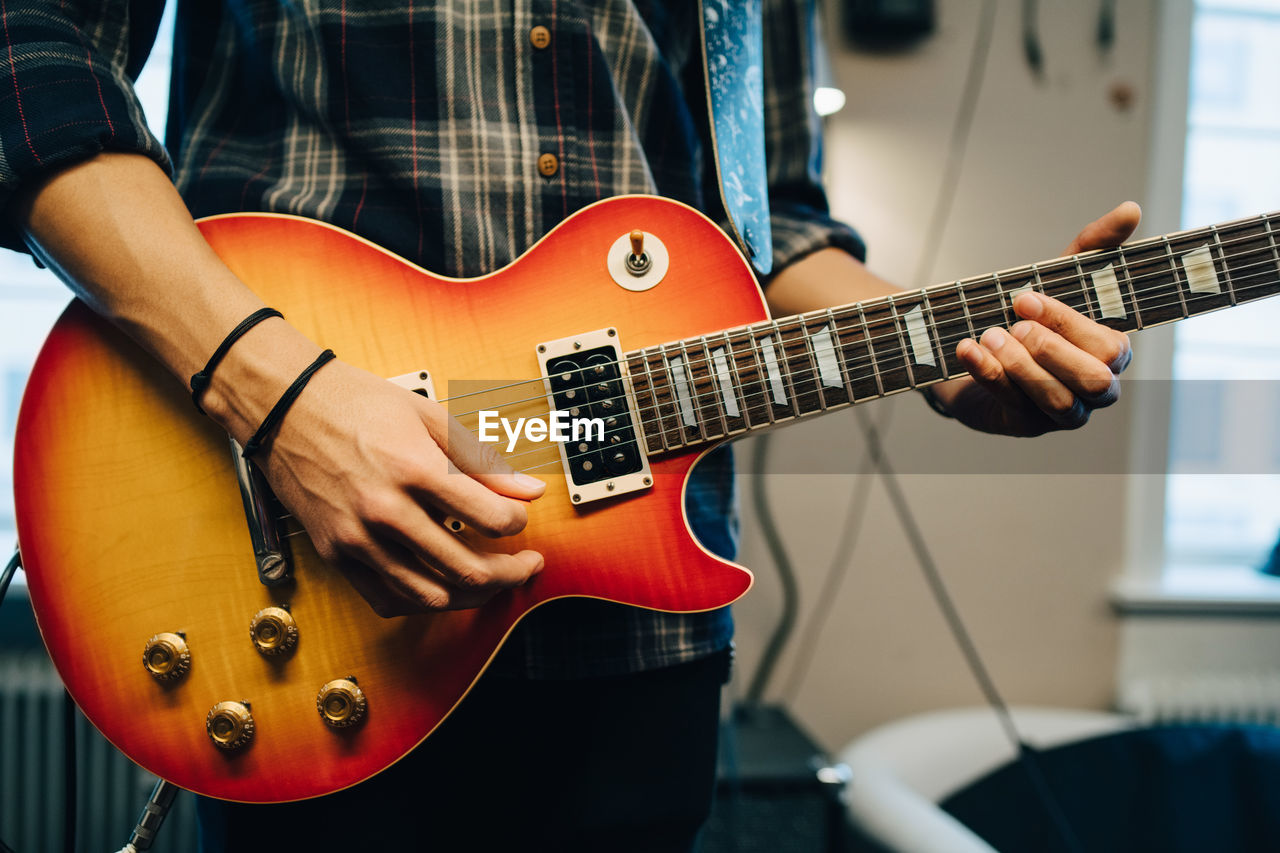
x=132, y=524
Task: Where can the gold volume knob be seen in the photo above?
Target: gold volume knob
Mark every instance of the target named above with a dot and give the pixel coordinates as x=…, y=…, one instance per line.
x=273, y=631
x=229, y=724
x=167, y=657
x=341, y=703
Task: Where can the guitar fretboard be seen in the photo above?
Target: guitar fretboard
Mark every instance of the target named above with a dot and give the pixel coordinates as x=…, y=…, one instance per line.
x=727, y=383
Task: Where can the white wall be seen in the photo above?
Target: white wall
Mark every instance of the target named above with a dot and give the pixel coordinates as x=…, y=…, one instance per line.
x=1029, y=558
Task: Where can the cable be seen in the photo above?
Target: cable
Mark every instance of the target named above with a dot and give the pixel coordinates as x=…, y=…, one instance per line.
x=969, y=649
x=837, y=570
x=70, y=805
x=1031, y=49
x=9, y=571
x=6, y=577
x=959, y=140
x=1106, y=26
x=782, y=562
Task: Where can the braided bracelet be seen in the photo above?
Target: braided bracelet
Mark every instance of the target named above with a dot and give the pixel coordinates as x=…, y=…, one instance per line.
x=282, y=405
x=200, y=381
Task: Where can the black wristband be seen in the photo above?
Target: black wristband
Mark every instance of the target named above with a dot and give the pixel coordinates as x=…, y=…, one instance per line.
x=282, y=405
x=200, y=381
x=933, y=401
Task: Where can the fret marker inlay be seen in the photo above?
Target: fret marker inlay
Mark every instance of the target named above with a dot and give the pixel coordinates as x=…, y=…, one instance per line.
x=824, y=352
x=1107, y=288
x=918, y=334
x=1201, y=276
x=771, y=367
x=725, y=382
x=684, y=393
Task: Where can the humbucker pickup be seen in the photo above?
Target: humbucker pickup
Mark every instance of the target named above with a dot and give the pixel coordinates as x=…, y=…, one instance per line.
x=603, y=455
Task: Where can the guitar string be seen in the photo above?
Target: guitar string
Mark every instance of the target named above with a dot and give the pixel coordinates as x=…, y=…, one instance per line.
x=1033, y=273
x=1068, y=262
x=1162, y=245
x=845, y=313
x=1239, y=290
x=1240, y=287
x=749, y=387
x=703, y=438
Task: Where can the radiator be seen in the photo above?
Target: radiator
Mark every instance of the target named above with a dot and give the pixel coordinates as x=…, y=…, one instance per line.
x=1204, y=698
x=111, y=789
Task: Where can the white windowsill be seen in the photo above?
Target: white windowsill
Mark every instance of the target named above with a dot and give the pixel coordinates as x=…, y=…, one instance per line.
x=1210, y=590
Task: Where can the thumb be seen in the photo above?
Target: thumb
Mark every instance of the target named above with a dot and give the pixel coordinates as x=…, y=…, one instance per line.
x=1108, y=231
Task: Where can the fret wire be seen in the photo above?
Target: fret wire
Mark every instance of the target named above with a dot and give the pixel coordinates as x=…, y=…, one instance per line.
x=691, y=386
x=634, y=392
x=839, y=353
x=739, y=387
x=1173, y=270
x=674, y=404
x=1133, y=293
x=714, y=381
x=787, y=373
x=849, y=352
x=871, y=350
x=933, y=326
x=807, y=347
x=655, y=382
x=810, y=349
x=1226, y=272
x=1005, y=307
x=669, y=376
x=1084, y=287
x=1271, y=238
x=964, y=305
x=761, y=371
x=894, y=316
x=657, y=404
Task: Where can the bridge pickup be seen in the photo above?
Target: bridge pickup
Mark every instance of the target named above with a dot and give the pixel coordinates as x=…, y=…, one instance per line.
x=590, y=395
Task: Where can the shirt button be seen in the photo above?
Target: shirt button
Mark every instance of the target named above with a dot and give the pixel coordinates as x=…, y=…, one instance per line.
x=548, y=165
x=540, y=37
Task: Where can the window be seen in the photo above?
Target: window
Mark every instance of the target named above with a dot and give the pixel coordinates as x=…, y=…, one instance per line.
x=31, y=298
x=1222, y=509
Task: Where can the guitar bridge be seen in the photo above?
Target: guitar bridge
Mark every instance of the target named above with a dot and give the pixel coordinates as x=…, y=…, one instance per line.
x=602, y=454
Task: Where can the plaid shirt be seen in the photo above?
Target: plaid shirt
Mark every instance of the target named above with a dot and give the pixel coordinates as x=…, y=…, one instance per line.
x=421, y=127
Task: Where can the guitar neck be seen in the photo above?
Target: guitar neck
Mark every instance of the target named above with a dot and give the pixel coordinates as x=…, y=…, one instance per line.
x=732, y=382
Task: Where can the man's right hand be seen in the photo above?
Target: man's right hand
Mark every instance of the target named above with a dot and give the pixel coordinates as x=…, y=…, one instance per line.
x=372, y=471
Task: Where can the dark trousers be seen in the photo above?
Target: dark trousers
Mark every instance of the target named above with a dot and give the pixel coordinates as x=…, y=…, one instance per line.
x=621, y=763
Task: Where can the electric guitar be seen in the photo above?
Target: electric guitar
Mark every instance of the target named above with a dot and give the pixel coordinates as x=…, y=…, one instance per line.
x=207, y=640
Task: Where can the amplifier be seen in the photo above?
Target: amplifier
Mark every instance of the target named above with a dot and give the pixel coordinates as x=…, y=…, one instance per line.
x=776, y=791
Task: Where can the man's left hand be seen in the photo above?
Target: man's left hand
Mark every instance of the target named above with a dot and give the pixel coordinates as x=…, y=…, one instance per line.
x=1051, y=369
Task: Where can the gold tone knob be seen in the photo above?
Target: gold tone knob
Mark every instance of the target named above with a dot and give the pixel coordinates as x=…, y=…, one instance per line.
x=167, y=657
x=229, y=724
x=273, y=631
x=341, y=703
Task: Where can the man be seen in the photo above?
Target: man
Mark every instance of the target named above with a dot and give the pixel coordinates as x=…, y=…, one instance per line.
x=454, y=134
